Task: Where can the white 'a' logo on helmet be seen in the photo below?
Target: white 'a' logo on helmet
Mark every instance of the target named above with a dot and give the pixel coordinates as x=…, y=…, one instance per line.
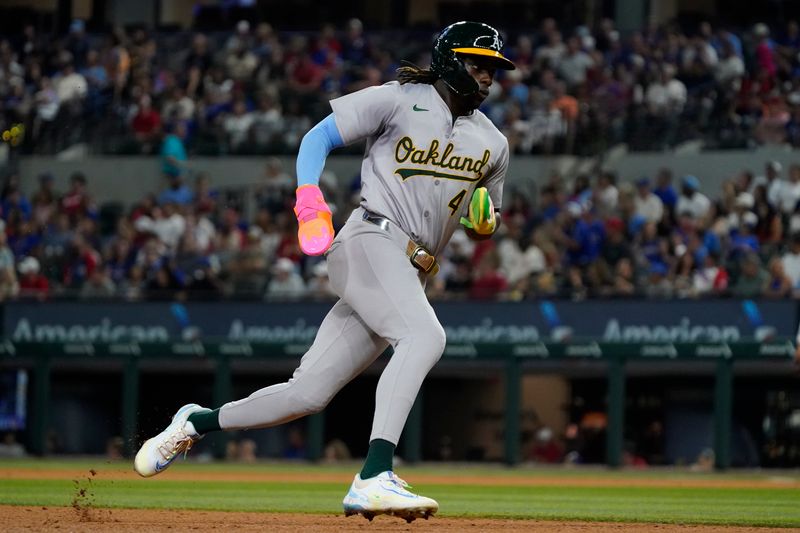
x=495, y=44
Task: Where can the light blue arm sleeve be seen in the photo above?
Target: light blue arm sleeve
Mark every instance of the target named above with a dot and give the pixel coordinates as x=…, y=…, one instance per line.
x=314, y=148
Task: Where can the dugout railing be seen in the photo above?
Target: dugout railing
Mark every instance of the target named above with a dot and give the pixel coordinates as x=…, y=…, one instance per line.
x=514, y=359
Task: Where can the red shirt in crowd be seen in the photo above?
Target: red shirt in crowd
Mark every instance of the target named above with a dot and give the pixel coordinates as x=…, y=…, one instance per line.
x=34, y=285
x=146, y=122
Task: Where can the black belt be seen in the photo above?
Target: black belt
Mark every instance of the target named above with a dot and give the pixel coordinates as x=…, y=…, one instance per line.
x=419, y=256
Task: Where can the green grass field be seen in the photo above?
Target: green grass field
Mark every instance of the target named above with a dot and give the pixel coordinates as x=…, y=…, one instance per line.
x=756, y=499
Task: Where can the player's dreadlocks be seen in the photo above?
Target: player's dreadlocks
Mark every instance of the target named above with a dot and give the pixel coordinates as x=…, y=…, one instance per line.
x=410, y=73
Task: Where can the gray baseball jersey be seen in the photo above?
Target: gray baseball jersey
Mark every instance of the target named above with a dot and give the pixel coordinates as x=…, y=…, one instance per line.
x=421, y=167
x=419, y=171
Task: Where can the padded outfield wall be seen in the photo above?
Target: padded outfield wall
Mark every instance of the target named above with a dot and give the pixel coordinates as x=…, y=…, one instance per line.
x=508, y=369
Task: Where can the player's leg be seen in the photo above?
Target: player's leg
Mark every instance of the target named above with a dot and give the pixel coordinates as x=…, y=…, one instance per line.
x=385, y=289
x=343, y=348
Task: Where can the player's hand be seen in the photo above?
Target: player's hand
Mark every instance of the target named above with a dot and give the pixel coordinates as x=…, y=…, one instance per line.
x=315, y=231
x=482, y=219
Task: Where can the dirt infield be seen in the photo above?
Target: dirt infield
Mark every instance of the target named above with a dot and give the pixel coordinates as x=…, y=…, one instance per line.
x=419, y=477
x=123, y=520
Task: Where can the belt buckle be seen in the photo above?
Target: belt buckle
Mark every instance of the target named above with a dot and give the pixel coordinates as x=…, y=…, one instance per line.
x=422, y=259
x=381, y=222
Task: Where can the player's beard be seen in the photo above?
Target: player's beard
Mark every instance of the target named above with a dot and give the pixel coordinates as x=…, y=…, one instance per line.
x=478, y=98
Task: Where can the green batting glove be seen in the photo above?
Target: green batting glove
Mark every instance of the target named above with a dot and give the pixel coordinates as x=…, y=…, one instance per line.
x=481, y=213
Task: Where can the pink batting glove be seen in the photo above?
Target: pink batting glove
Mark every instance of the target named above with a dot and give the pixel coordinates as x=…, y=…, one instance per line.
x=315, y=231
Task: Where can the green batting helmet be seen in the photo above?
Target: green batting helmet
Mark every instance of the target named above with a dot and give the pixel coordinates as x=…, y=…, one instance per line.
x=468, y=38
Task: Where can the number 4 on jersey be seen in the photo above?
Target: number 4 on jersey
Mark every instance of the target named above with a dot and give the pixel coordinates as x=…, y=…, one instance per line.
x=456, y=201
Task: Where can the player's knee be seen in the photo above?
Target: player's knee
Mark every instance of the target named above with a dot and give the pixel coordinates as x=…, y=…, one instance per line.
x=315, y=404
x=311, y=402
x=434, y=340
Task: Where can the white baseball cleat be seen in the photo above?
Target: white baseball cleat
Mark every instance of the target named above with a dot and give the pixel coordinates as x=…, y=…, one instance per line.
x=386, y=494
x=157, y=454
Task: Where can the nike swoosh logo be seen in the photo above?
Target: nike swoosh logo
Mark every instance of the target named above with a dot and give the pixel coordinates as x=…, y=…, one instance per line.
x=407, y=495
x=162, y=466
x=415, y=108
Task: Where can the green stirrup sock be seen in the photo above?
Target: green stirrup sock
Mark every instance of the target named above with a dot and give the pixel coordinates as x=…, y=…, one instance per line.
x=205, y=421
x=379, y=458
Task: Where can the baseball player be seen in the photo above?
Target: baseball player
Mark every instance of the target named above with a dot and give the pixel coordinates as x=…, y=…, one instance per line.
x=433, y=161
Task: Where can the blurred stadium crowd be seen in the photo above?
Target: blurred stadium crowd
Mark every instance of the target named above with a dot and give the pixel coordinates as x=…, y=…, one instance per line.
x=258, y=90
x=588, y=237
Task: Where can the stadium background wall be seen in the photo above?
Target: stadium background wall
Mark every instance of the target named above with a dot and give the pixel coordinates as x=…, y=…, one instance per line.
x=134, y=174
x=507, y=371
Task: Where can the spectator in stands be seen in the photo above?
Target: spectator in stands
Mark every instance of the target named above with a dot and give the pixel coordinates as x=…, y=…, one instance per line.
x=177, y=193
x=770, y=224
x=305, y=76
x=744, y=203
x=458, y=280
x=658, y=284
x=791, y=261
x=82, y=261
x=664, y=190
x=488, y=281
x=44, y=200
x=779, y=285
x=752, y=280
x=710, y=279
x=624, y=283
x=742, y=237
x=249, y=266
x=267, y=123
x=205, y=197
x=12, y=200
x=692, y=201
x=9, y=285
x=169, y=225
x=237, y=127
x=241, y=63
x=615, y=247
x=648, y=206
x=286, y=283
x=319, y=286
x=173, y=152
x=567, y=107
x=772, y=181
x=132, y=288
x=730, y=68
x=95, y=74
x=77, y=202
x=572, y=66
x=790, y=191
x=765, y=55
x=46, y=109
x=146, y=124
x=204, y=283
x=605, y=195
x=98, y=285
x=665, y=99
x=32, y=284
x=7, y=261
x=550, y=54
x=71, y=86
x=179, y=107
x=165, y=284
